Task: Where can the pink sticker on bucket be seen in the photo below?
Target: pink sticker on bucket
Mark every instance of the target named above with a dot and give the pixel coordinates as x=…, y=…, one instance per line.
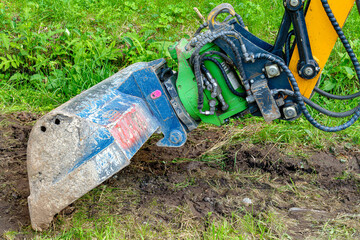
x=156, y=94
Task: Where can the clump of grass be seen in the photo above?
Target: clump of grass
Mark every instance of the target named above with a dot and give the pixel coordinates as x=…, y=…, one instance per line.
x=264, y=226
x=342, y=227
x=248, y=226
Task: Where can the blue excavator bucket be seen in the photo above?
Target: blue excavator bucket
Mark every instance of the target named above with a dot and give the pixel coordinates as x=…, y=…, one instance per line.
x=85, y=141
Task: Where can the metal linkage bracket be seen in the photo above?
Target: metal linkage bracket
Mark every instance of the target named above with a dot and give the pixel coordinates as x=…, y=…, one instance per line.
x=146, y=84
x=265, y=100
x=182, y=114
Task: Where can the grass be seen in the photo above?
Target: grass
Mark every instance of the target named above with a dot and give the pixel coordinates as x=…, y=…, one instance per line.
x=70, y=45
x=118, y=210
x=332, y=229
x=103, y=218
x=247, y=227
x=54, y=50
x=99, y=219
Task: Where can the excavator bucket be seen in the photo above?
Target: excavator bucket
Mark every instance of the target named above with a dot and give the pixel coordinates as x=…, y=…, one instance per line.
x=85, y=141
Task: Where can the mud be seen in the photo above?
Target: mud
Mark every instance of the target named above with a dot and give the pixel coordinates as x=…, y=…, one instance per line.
x=14, y=187
x=188, y=176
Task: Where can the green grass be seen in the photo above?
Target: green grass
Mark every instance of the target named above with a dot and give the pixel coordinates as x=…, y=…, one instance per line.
x=53, y=50
x=107, y=227
x=241, y=225
x=99, y=216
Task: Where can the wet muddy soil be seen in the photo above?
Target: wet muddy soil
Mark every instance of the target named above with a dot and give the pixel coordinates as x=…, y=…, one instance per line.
x=14, y=187
x=316, y=186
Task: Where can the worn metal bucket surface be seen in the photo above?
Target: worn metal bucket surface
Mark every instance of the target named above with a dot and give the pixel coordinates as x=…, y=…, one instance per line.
x=85, y=141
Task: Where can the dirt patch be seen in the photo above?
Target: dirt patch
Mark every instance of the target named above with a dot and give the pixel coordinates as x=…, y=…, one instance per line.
x=304, y=190
x=14, y=187
x=307, y=191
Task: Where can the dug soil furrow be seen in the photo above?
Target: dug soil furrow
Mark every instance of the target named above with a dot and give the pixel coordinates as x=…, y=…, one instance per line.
x=207, y=175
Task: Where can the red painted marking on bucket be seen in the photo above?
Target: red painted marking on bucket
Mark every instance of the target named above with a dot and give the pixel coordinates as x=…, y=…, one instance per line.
x=129, y=128
x=156, y=94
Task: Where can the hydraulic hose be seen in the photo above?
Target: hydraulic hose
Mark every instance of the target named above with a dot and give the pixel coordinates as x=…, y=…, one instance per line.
x=238, y=62
x=228, y=60
x=240, y=20
x=329, y=95
x=348, y=49
x=202, y=26
x=227, y=80
x=318, y=107
x=300, y=99
x=287, y=46
x=199, y=81
x=342, y=37
x=208, y=37
x=202, y=40
x=224, y=56
x=327, y=112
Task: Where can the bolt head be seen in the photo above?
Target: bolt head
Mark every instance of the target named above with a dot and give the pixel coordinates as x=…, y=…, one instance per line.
x=212, y=103
x=290, y=112
x=294, y=3
x=309, y=71
x=272, y=71
x=175, y=137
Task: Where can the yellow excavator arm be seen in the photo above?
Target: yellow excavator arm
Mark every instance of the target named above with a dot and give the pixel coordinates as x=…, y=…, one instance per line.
x=322, y=36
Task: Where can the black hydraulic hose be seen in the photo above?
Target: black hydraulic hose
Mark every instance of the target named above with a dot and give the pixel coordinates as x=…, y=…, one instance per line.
x=300, y=100
x=238, y=63
x=195, y=60
x=198, y=77
x=224, y=56
x=318, y=107
x=202, y=26
x=329, y=95
x=240, y=20
x=228, y=60
x=227, y=80
x=287, y=46
x=342, y=37
x=358, y=5
x=327, y=112
x=211, y=36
